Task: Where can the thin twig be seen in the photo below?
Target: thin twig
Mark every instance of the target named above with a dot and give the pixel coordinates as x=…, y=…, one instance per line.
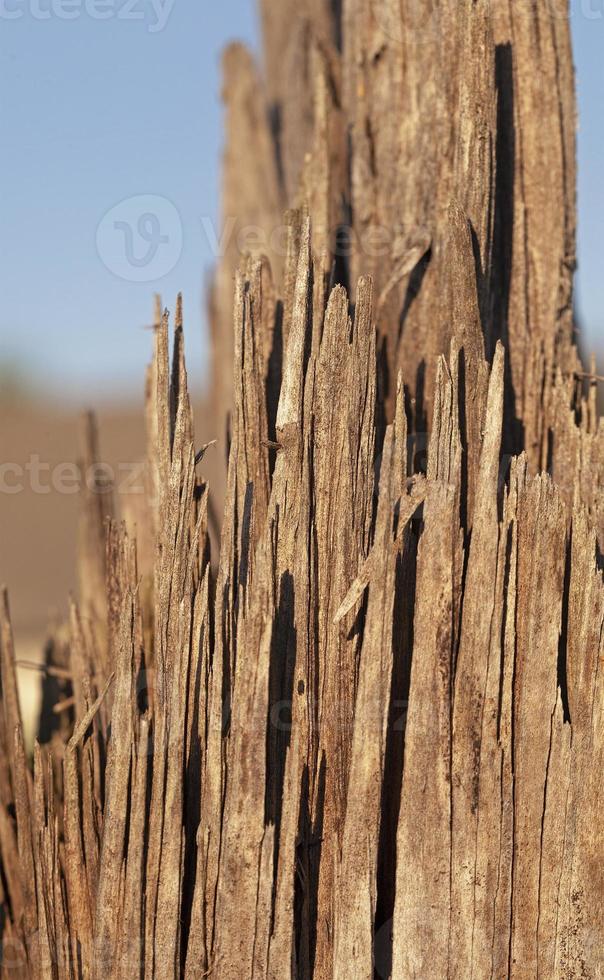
x=61, y=706
x=60, y=672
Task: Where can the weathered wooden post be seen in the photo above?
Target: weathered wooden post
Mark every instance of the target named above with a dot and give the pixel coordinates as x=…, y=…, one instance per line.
x=367, y=739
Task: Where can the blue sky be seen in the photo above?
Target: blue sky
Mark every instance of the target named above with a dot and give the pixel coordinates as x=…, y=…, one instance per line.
x=100, y=111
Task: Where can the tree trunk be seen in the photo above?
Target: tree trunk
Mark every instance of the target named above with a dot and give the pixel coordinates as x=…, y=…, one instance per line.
x=367, y=738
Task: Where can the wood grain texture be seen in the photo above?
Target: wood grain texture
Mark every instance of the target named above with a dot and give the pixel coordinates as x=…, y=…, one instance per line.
x=360, y=733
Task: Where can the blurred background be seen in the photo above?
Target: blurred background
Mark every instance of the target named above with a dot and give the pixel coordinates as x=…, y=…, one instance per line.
x=110, y=154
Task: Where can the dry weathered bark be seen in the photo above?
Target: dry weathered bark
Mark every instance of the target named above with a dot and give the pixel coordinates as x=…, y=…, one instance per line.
x=367, y=737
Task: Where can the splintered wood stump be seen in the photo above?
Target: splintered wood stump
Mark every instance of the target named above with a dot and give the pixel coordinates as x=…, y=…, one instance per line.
x=364, y=736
